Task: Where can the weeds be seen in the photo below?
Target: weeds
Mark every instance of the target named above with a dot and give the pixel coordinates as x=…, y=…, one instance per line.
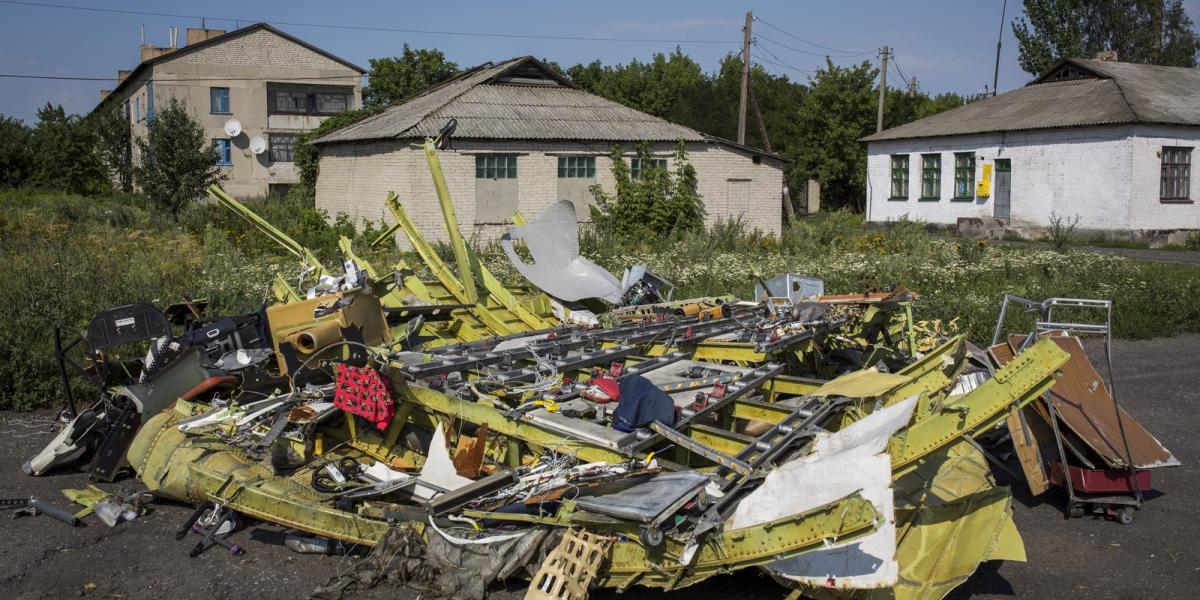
x=1063, y=232
x=68, y=257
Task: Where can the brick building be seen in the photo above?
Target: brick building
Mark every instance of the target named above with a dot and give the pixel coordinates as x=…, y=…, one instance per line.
x=525, y=138
x=1109, y=142
x=274, y=85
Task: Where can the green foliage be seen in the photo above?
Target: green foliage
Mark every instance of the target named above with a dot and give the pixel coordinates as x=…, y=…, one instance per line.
x=1192, y=242
x=1063, y=231
x=15, y=156
x=837, y=110
x=1157, y=32
x=62, y=148
x=114, y=144
x=659, y=203
x=176, y=161
x=393, y=80
x=307, y=157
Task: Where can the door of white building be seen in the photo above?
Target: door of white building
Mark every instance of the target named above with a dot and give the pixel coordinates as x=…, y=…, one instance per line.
x=1003, y=196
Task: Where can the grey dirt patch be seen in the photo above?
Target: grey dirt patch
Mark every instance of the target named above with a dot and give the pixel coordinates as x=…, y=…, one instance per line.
x=1158, y=556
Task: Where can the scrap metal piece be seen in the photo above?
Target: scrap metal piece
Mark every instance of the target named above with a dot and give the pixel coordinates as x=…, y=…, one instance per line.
x=570, y=568
x=557, y=268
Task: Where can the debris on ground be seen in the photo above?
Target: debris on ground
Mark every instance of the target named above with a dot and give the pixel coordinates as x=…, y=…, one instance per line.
x=586, y=431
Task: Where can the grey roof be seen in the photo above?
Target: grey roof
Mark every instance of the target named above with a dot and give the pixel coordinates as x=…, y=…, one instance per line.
x=1106, y=93
x=494, y=101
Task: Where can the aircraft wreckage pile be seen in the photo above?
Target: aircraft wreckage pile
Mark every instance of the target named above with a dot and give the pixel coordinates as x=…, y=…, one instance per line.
x=592, y=432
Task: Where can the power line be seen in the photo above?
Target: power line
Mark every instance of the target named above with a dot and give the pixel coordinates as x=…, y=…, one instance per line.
x=796, y=37
x=365, y=27
x=799, y=51
x=899, y=71
x=780, y=62
x=781, y=65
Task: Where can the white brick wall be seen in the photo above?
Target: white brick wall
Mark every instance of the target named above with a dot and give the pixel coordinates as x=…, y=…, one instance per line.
x=355, y=179
x=1108, y=176
x=259, y=48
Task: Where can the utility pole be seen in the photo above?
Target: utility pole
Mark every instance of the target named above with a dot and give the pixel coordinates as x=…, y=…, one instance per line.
x=745, y=78
x=882, y=89
x=999, y=39
x=912, y=87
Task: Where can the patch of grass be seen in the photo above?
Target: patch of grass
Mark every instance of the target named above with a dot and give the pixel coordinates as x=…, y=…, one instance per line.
x=67, y=257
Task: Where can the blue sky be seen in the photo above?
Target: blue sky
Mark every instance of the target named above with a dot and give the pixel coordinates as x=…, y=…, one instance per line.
x=948, y=45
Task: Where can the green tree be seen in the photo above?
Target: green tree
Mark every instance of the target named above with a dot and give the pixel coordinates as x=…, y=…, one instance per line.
x=63, y=151
x=114, y=144
x=393, y=80
x=657, y=203
x=176, y=162
x=838, y=110
x=15, y=163
x=1155, y=32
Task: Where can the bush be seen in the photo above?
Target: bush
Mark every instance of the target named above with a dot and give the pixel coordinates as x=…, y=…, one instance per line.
x=1063, y=231
x=656, y=204
x=1192, y=241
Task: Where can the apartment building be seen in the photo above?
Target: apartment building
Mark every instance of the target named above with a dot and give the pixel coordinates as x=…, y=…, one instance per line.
x=255, y=90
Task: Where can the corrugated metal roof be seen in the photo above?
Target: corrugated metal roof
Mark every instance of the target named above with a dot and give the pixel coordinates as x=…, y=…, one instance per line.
x=1117, y=93
x=486, y=107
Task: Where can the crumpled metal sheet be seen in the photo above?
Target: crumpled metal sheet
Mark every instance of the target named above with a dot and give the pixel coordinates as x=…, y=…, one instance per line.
x=851, y=459
x=557, y=268
x=646, y=500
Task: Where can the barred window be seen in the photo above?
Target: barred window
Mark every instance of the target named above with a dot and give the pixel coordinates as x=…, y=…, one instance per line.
x=638, y=166
x=496, y=166
x=900, y=176
x=1175, y=181
x=283, y=147
x=964, y=175
x=577, y=167
x=931, y=176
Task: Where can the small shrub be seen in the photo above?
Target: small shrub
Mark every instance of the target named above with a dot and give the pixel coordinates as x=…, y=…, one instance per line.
x=1063, y=232
x=1192, y=242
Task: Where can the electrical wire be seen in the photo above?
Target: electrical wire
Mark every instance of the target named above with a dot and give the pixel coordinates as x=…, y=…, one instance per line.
x=810, y=53
x=811, y=43
x=365, y=27
x=781, y=65
x=896, y=63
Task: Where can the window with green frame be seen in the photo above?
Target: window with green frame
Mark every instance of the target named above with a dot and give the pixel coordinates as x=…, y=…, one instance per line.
x=931, y=176
x=964, y=175
x=899, y=177
x=577, y=167
x=496, y=166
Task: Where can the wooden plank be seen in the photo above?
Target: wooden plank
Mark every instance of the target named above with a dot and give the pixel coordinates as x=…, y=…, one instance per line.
x=1028, y=451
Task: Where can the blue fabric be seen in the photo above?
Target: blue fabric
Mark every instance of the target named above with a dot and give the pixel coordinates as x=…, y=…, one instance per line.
x=642, y=403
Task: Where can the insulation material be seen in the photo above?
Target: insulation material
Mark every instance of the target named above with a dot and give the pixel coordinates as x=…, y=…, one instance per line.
x=438, y=474
x=842, y=463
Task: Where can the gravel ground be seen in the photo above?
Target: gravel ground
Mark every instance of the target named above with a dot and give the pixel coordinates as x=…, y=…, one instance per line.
x=1158, y=556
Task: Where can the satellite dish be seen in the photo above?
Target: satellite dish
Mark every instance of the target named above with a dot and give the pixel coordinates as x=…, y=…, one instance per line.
x=233, y=128
x=258, y=145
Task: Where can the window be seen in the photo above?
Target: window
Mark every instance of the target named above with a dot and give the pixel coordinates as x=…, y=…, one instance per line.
x=224, y=151
x=1176, y=179
x=577, y=166
x=638, y=165
x=137, y=104
x=496, y=166
x=964, y=175
x=900, y=177
x=218, y=100
x=931, y=176
x=308, y=99
x=283, y=147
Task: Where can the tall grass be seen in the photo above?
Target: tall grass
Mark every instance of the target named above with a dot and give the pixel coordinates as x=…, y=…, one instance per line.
x=67, y=257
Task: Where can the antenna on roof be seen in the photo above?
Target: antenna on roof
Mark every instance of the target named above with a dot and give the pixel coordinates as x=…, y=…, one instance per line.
x=142, y=29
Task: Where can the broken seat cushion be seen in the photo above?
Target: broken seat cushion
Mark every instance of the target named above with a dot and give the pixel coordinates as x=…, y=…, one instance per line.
x=641, y=404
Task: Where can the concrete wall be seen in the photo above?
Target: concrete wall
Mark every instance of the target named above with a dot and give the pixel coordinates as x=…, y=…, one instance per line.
x=355, y=179
x=1108, y=176
x=245, y=65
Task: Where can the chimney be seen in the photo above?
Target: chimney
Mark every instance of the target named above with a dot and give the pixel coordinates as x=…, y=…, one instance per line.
x=1107, y=55
x=104, y=94
x=149, y=52
x=195, y=36
x=122, y=75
